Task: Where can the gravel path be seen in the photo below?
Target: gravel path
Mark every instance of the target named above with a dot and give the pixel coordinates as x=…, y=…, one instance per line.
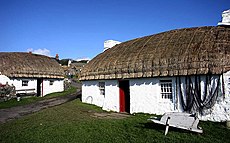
x=19, y=111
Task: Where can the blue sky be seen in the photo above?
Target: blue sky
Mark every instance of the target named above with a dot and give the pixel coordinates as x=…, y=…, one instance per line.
x=78, y=28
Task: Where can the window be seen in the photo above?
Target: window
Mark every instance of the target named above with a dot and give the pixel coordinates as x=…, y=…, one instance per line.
x=102, y=88
x=25, y=83
x=166, y=89
x=51, y=82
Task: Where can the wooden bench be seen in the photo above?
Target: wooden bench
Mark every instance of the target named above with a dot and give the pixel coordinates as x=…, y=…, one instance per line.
x=184, y=121
x=25, y=93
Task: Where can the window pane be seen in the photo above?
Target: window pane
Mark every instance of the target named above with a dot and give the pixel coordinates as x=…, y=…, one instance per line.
x=25, y=83
x=102, y=88
x=166, y=89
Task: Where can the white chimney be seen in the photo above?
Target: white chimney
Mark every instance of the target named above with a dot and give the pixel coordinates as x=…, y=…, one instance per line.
x=110, y=43
x=225, y=18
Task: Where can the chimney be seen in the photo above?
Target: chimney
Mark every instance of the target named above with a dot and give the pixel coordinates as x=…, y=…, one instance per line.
x=57, y=57
x=110, y=43
x=225, y=18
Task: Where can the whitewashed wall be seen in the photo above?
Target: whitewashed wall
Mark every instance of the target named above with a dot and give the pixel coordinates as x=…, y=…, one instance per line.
x=111, y=101
x=32, y=84
x=221, y=110
x=91, y=93
x=145, y=97
x=58, y=86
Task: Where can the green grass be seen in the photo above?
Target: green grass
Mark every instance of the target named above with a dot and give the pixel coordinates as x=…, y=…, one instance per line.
x=73, y=122
x=64, y=93
x=24, y=101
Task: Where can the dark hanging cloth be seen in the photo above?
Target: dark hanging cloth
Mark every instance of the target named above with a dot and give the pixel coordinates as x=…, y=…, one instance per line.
x=193, y=99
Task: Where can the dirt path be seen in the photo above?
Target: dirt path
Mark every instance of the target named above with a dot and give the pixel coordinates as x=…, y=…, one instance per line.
x=19, y=111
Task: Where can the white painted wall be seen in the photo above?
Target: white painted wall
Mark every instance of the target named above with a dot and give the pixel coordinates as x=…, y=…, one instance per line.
x=221, y=110
x=111, y=101
x=145, y=97
x=4, y=79
x=17, y=82
x=58, y=85
x=91, y=93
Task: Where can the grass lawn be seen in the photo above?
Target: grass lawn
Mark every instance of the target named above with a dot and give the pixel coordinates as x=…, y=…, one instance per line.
x=24, y=101
x=76, y=122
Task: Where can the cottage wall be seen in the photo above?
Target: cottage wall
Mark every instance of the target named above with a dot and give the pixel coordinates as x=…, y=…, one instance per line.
x=145, y=96
x=17, y=82
x=111, y=101
x=221, y=110
x=58, y=86
x=218, y=112
x=91, y=93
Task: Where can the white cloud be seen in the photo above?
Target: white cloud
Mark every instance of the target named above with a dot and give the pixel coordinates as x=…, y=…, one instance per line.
x=81, y=59
x=43, y=51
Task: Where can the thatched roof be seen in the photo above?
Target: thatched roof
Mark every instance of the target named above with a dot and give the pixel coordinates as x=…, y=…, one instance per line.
x=188, y=51
x=18, y=64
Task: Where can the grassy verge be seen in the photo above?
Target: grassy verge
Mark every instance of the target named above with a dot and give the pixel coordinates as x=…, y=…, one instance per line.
x=74, y=122
x=64, y=93
x=24, y=101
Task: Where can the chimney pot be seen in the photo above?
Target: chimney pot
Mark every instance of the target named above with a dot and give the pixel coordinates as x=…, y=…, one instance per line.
x=57, y=57
x=225, y=18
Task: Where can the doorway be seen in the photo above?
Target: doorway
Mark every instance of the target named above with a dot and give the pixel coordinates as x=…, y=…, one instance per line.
x=124, y=96
x=39, y=87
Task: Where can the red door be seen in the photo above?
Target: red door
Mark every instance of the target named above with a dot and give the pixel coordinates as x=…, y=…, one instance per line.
x=122, y=100
x=124, y=96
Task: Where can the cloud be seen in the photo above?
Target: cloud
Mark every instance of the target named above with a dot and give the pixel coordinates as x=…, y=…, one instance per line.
x=43, y=51
x=83, y=59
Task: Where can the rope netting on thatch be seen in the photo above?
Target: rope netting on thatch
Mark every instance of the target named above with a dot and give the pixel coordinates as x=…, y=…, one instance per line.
x=188, y=51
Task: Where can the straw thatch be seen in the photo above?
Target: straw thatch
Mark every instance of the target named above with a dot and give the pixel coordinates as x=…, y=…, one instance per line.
x=29, y=65
x=189, y=51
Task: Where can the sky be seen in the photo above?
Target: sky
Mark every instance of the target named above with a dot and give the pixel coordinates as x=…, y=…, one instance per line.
x=77, y=29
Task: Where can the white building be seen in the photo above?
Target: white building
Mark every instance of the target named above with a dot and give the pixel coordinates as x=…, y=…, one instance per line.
x=183, y=70
x=110, y=43
x=31, y=72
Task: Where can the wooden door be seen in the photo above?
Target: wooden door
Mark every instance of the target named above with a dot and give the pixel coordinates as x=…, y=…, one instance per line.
x=124, y=96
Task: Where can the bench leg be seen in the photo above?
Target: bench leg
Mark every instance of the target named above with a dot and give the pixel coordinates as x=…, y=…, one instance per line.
x=167, y=126
x=166, y=130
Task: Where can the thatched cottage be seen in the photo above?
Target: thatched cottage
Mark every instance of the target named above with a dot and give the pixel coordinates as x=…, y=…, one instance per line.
x=28, y=72
x=183, y=70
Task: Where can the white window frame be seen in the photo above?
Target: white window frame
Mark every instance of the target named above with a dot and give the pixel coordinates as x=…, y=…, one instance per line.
x=101, y=86
x=25, y=82
x=166, y=89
